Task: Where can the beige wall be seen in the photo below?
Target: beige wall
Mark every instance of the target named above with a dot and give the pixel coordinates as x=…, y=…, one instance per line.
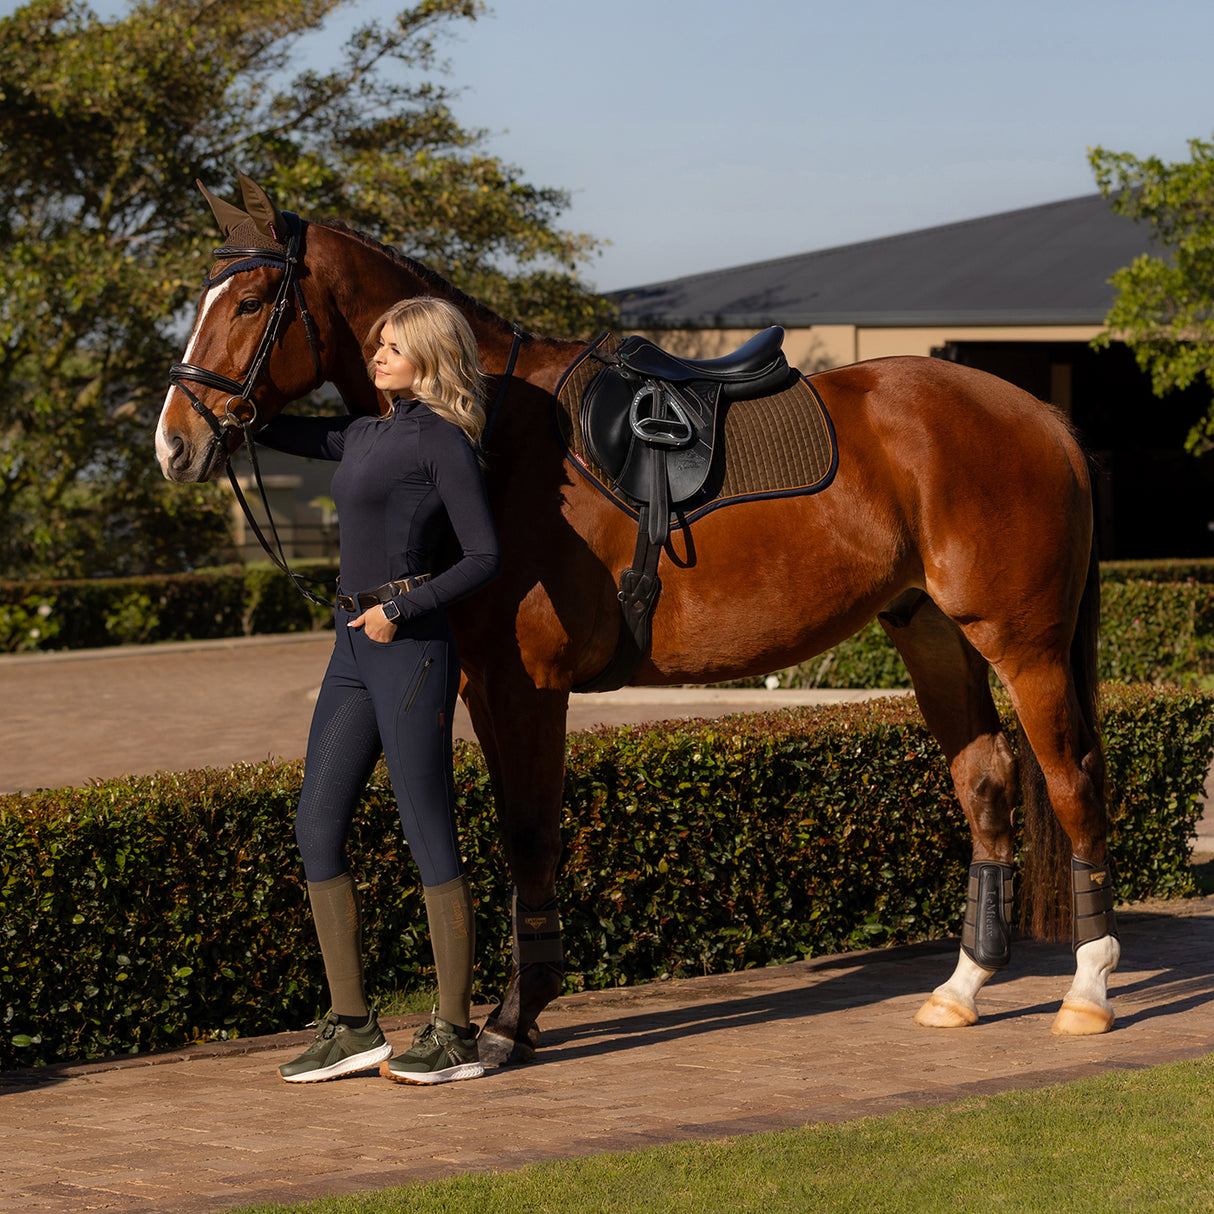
x=878, y=343
x=823, y=346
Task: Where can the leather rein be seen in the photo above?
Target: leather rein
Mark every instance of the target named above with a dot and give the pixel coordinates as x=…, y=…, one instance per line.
x=182, y=374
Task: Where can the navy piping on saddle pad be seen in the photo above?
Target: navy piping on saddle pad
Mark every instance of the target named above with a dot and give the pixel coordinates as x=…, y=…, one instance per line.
x=681, y=520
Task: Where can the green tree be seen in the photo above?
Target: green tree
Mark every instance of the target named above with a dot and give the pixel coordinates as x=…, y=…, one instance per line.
x=104, y=125
x=1164, y=307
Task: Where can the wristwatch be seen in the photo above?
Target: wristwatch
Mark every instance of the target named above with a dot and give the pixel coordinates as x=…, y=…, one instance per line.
x=391, y=610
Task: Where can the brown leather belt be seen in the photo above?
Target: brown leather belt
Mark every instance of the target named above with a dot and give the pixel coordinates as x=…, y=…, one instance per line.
x=381, y=594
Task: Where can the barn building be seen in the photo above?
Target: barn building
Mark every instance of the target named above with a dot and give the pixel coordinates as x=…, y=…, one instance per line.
x=1021, y=294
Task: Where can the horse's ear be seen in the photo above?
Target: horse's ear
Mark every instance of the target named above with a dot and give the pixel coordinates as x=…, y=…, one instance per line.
x=264, y=213
x=226, y=215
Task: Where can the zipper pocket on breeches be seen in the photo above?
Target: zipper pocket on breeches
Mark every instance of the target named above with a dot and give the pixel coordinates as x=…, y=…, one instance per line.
x=421, y=678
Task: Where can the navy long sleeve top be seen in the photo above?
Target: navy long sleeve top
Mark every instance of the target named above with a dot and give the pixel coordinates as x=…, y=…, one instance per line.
x=404, y=483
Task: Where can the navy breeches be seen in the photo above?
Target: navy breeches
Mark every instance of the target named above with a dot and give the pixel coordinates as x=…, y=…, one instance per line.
x=397, y=699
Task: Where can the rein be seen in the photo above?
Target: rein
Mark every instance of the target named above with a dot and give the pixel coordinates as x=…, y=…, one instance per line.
x=516, y=340
x=182, y=374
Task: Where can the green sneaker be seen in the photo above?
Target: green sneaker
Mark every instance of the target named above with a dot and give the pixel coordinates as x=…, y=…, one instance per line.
x=439, y=1054
x=338, y=1050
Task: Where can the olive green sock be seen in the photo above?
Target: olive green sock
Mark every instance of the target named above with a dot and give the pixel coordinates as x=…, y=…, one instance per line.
x=338, y=918
x=453, y=939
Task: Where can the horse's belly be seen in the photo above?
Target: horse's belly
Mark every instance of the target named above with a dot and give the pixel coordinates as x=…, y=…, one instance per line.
x=766, y=585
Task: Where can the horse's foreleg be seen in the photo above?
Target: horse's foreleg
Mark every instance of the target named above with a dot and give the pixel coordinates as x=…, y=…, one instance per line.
x=523, y=735
x=950, y=680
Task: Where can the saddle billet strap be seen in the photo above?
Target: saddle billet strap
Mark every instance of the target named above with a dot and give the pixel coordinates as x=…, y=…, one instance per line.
x=639, y=588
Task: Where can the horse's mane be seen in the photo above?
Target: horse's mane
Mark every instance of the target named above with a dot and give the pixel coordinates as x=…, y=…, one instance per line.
x=432, y=280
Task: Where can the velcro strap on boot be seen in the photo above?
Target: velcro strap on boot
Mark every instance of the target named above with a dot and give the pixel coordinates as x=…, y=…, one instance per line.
x=1091, y=902
x=986, y=937
x=537, y=933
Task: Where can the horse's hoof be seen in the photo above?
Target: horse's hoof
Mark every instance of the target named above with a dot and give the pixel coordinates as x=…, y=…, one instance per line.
x=498, y=1050
x=1079, y=1018
x=941, y=1012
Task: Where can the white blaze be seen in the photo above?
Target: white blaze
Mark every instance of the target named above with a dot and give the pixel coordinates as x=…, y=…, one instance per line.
x=163, y=445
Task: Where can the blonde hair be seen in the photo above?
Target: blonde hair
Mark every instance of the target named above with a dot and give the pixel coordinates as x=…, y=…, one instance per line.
x=434, y=336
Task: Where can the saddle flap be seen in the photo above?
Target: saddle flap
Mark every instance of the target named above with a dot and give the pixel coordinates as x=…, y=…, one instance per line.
x=627, y=426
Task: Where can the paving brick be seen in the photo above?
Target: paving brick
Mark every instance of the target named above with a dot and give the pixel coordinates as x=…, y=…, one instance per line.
x=620, y=1070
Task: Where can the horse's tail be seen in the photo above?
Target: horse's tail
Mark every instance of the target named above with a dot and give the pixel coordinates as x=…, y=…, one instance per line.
x=1045, y=883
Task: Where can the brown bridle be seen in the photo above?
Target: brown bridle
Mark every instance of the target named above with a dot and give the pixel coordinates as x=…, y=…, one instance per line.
x=183, y=374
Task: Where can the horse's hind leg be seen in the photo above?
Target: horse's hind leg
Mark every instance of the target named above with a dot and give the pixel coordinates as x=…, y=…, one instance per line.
x=1071, y=763
x=951, y=685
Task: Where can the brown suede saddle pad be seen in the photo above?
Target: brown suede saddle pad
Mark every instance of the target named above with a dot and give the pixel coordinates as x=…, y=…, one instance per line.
x=778, y=445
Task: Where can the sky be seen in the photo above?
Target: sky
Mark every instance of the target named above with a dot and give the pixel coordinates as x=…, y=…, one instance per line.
x=696, y=135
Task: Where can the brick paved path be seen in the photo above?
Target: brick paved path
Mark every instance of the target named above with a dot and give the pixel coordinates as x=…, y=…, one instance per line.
x=828, y=1039
x=213, y=1127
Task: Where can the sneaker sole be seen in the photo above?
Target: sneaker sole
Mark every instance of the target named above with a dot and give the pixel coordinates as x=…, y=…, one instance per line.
x=467, y=1070
x=347, y=1066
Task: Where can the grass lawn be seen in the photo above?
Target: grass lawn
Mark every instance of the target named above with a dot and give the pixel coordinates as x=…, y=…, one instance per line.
x=1129, y=1140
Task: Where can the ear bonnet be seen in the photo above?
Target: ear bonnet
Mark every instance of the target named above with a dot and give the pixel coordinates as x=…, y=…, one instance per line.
x=256, y=236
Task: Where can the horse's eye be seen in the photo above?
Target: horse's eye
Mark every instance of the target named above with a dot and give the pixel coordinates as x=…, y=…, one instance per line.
x=247, y=307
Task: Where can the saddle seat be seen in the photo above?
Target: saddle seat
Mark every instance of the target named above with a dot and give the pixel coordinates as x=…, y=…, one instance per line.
x=754, y=361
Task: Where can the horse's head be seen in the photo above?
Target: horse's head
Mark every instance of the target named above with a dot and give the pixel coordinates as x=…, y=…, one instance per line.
x=245, y=359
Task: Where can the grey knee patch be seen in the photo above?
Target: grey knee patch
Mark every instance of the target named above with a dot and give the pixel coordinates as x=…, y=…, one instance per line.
x=986, y=937
x=537, y=934
x=1091, y=902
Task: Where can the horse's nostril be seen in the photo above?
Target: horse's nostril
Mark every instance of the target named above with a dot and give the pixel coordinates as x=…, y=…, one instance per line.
x=178, y=456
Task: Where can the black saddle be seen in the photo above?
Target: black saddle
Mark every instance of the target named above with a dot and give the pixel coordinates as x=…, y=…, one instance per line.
x=736, y=372
x=650, y=421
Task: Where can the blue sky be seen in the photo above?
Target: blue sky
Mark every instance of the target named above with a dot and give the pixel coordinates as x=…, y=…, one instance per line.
x=699, y=134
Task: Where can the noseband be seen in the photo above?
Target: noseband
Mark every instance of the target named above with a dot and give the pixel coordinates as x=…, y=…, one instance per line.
x=183, y=374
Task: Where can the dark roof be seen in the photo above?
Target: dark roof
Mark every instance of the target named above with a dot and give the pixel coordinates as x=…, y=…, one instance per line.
x=1047, y=264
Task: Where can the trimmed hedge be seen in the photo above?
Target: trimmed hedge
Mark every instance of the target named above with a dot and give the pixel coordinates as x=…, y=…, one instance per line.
x=147, y=912
x=238, y=600
x=1174, y=569
x=1150, y=631
x=1157, y=620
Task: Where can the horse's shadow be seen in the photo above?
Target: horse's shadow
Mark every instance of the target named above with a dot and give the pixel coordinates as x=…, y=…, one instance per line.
x=1180, y=949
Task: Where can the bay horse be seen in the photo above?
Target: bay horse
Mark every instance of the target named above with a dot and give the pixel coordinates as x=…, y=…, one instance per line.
x=960, y=515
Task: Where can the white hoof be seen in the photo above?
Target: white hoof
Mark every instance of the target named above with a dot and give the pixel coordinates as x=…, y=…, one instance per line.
x=953, y=1005
x=941, y=1012
x=1085, y=1007
x=1080, y=1018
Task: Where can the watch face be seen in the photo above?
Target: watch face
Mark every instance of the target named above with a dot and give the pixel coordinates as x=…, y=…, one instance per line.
x=391, y=610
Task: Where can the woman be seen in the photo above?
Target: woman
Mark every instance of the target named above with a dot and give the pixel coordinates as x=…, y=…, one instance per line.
x=405, y=482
